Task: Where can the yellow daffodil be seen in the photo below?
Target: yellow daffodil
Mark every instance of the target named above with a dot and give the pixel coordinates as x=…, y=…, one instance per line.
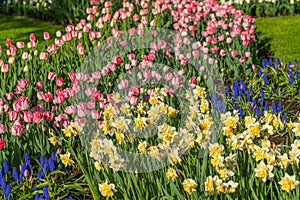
x=264, y=171
x=65, y=159
x=142, y=147
x=189, y=185
x=107, y=190
x=209, y=185
x=171, y=174
x=288, y=183
x=98, y=165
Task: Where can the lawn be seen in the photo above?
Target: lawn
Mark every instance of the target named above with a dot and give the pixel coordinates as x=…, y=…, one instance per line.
x=284, y=33
x=18, y=28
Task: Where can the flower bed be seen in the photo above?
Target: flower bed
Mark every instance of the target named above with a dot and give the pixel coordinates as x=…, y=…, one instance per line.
x=133, y=100
x=269, y=8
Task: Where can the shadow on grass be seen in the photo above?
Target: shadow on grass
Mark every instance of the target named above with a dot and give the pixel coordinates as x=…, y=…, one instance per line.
x=263, y=47
x=18, y=28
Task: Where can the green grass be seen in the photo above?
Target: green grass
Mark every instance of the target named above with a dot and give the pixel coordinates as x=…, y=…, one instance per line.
x=18, y=28
x=284, y=33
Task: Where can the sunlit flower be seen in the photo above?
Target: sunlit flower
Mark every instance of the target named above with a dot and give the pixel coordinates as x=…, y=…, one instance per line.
x=171, y=174
x=283, y=161
x=216, y=149
x=120, y=137
x=54, y=140
x=288, y=183
x=142, y=147
x=296, y=129
x=225, y=173
x=65, y=159
x=107, y=190
x=249, y=120
x=98, y=165
x=217, y=161
x=254, y=130
x=231, y=186
x=264, y=171
x=189, y=185
x=209, y=185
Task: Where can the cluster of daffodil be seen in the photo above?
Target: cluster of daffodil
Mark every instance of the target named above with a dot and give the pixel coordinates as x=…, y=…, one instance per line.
x=172, y=141
x=256, y=135
x=72, y=130
x=223, y=166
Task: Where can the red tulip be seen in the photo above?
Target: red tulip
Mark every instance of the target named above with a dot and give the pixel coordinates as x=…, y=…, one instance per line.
x=2, y=143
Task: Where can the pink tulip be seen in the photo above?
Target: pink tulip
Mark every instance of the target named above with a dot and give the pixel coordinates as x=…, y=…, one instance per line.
x=44, y=56
x=32, y=37
x=39, y=85
x=133, y=100
x=72, y=75
x=135, y=89
x=128, y=66
x=222, y=52
x=51, y=75
x=8, y=42
x=176, y=81
x=4, y=68
x=242, y=59
x=59, y=99
x=28, y=117
x=48, y=116
x=25, y=55
x=23, y=103
x=37, y=117
x=46, y=36
x=69, y=28
x=20, y=45
x=96, y=114
x=40, y=95
x=70, y=110
x=147, y=74
x=117, y=60
x=97, y=95
x=52, y=48
x=58, y=34
x=23, y=83
x=2, y=129
x=47, y=97
x=192, y=81
x=59, y=81
x=247, y=54
x=234, y=53
x=12, y=115
x=229, y=40
x=16, y=130
x=215, y=49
